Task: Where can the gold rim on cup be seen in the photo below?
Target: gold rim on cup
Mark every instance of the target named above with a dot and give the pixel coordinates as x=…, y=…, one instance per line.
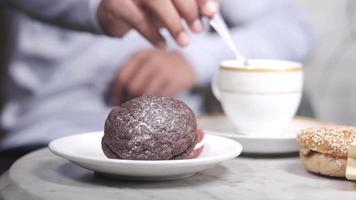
x=297, y=68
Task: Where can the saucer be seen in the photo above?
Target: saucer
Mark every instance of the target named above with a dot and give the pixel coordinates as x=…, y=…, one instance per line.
x=85, y=151
x=286, y=143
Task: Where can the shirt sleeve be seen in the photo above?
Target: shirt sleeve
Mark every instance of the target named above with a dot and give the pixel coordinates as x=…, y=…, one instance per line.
x=73, y=14
x=274, y=29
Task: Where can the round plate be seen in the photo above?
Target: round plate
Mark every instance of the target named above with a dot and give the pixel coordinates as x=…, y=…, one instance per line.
x=286, y=143
x=85, y=151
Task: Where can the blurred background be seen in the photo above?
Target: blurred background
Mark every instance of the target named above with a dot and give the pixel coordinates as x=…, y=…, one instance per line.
x=330, y=84
x=330, y=80
x=330, y=71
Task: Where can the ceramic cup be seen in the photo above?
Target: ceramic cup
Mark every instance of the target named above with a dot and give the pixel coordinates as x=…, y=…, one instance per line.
x=261, y=99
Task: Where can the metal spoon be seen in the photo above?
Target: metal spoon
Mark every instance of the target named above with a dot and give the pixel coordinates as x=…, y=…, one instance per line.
x=218, y=23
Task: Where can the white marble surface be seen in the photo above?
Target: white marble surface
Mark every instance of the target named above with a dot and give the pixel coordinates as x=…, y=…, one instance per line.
x=41, y=175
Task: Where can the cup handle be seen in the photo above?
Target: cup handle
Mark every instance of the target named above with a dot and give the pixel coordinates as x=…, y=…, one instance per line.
x=214, y=86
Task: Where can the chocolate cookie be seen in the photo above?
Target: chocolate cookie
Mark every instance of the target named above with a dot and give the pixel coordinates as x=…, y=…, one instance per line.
x=150, y=128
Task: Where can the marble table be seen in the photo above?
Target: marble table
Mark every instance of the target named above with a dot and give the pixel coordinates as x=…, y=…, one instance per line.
x=42, y=175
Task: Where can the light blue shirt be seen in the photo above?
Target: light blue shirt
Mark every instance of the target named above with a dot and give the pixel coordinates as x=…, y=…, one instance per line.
x=58, y=78
x=73, y=14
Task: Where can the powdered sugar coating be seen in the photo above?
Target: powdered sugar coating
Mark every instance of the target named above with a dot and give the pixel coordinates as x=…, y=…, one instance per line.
x=150, y=128
x=328, y=140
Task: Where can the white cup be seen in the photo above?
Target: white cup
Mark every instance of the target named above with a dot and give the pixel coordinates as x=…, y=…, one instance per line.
x=261, y=99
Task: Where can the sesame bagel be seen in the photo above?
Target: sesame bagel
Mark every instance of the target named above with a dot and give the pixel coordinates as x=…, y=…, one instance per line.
x=323, y=163
x=333, y=140
x=325, y=149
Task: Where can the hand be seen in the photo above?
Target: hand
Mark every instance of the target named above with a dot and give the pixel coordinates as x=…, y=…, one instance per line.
x=117, y=17
x=153, y=73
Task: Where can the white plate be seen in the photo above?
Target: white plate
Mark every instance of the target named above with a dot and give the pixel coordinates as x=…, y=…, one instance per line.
x=286, y=143
x=85, y=151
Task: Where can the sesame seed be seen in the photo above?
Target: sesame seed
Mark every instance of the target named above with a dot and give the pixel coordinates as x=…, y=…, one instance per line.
x=329, y=140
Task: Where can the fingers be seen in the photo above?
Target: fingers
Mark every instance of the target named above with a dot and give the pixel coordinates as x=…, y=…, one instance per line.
x=109, y=23
x=151, y=80
x=155, y=86
x=115, y=93
x=188, y=10
x=162, y=86
x=154, y=73
x=141, y=76
x=208, y=8
x=168, y=90
x=166, y=12
x=118, y=17
x=132, y=67
x=126, y=73
x=141, y=79
x=126, y=10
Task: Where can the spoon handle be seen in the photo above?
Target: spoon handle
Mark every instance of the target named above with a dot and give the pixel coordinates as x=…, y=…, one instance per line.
x=218, y=23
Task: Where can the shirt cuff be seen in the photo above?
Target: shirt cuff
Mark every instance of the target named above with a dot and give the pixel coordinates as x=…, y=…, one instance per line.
x=93, y=8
